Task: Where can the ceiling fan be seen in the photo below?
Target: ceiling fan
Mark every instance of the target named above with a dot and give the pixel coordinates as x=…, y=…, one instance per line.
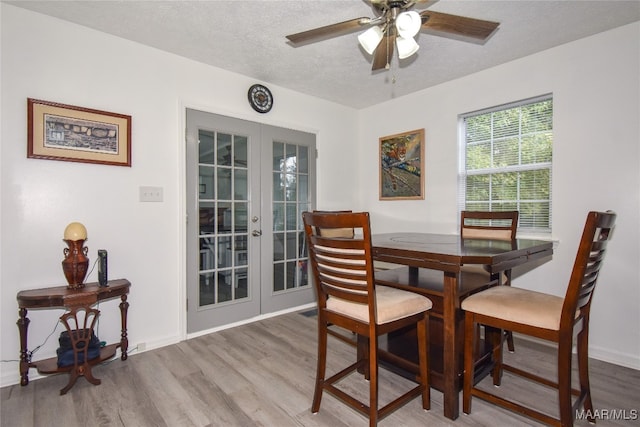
x=397, y=24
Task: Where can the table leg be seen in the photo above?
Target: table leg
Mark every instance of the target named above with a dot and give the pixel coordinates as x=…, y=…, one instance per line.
x=451, y=368
x=23, y=326
x=124, y=340
x=414, y=273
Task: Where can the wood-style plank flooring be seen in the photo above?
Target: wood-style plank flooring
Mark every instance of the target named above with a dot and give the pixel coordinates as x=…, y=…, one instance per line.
x=262, y=374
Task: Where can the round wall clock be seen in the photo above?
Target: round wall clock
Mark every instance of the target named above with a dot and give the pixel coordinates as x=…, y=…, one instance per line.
x=260, y=98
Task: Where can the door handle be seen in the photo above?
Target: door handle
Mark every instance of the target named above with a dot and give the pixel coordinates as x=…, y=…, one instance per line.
x=256, y=233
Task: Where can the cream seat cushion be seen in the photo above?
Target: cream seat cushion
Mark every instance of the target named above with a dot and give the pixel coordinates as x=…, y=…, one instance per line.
x=486, y=233
x=391, y=304
x=332, y=233
x=517, y=305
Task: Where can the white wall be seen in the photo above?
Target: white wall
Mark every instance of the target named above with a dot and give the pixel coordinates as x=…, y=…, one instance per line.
x=53, y=60
x=596, y=95
x=49, y=59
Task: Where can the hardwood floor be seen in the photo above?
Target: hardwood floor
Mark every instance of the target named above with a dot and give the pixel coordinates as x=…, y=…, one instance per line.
x=262, y=374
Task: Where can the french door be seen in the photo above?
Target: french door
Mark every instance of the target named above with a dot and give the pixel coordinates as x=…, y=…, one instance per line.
x=247, y=186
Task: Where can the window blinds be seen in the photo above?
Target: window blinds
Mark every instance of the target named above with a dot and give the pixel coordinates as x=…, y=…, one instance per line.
x=506, y=158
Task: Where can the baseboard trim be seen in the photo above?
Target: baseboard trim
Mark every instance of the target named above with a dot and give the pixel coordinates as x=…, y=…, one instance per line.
x=597, y=353
x=251, y=320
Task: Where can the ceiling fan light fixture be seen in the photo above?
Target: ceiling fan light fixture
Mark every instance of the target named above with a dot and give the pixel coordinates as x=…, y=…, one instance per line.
x=407, y=46
x=408, y=24
x=370, y=39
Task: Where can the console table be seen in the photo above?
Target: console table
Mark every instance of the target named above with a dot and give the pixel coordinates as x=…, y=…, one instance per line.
x=70, y=300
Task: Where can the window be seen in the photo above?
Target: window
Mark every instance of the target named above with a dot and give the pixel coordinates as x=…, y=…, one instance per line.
x=506, y=155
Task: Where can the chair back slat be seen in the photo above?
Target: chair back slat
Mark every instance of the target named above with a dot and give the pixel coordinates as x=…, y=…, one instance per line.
x=336, y=232
x=341, y=262
x=488, y=225
x=586, y=268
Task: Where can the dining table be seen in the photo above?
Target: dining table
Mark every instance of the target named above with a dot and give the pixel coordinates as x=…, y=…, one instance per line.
x=435, y=266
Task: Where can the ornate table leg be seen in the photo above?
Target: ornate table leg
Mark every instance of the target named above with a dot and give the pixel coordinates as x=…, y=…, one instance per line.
x=23, y=326
x=124, y=341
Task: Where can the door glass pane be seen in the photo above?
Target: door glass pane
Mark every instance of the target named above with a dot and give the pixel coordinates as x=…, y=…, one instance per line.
x=278, y=186
x=241, y=289
x=291, y=246
x=278, y=216
x=223, y=222
x=241, y=218
x=292, y=187
x=291, y=196
x=224, y=286
x=278, y=155
x=205, y=147
x=303, y=188
x=224, y=149
x=224, y=252
x=240, y=183
x=240, y=151
x=292, y=216
x=240, y=251
x=207, y=288
x=278, y=277
x=224, y=183
x=291, y=274
x=207, y=254
x=224, y=217
x=205, y=182
x=303, y=159
x=207, y=218
x=278, y=246
x=291, y=159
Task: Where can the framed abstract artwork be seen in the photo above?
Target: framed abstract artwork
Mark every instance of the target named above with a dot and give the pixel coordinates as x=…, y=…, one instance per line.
x=76, y=134
x=401, y=166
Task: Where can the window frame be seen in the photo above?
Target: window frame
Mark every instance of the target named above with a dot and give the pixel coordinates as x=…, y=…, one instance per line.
x=463, y=173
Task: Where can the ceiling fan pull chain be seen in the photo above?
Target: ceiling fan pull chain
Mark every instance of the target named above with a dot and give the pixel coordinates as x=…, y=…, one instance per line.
x=386, y=67
x=390, y=29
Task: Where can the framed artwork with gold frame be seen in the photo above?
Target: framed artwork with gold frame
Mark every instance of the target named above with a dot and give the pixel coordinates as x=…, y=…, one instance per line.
x=402, y=165
x=76, y=134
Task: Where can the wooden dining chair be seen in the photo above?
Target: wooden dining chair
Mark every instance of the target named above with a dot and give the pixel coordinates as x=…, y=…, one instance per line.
x=489, y=225
x=546, y=317
x=348, y=297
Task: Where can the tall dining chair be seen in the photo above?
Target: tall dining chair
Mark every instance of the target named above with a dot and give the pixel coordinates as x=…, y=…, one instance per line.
x=500, y=225
x=349, y=298
x=547, y=317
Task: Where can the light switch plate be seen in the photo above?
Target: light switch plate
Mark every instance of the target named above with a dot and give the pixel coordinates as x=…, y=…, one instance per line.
x=150, y=194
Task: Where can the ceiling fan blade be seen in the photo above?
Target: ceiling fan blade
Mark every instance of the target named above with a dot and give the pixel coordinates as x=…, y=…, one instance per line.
x=384, y=52
x=458, y=25
x=328, y=30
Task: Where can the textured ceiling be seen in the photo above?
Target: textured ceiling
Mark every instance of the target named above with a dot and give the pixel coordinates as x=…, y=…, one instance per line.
x=248, y=37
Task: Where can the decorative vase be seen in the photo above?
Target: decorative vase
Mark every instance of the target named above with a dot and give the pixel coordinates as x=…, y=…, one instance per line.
x=75, y=263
